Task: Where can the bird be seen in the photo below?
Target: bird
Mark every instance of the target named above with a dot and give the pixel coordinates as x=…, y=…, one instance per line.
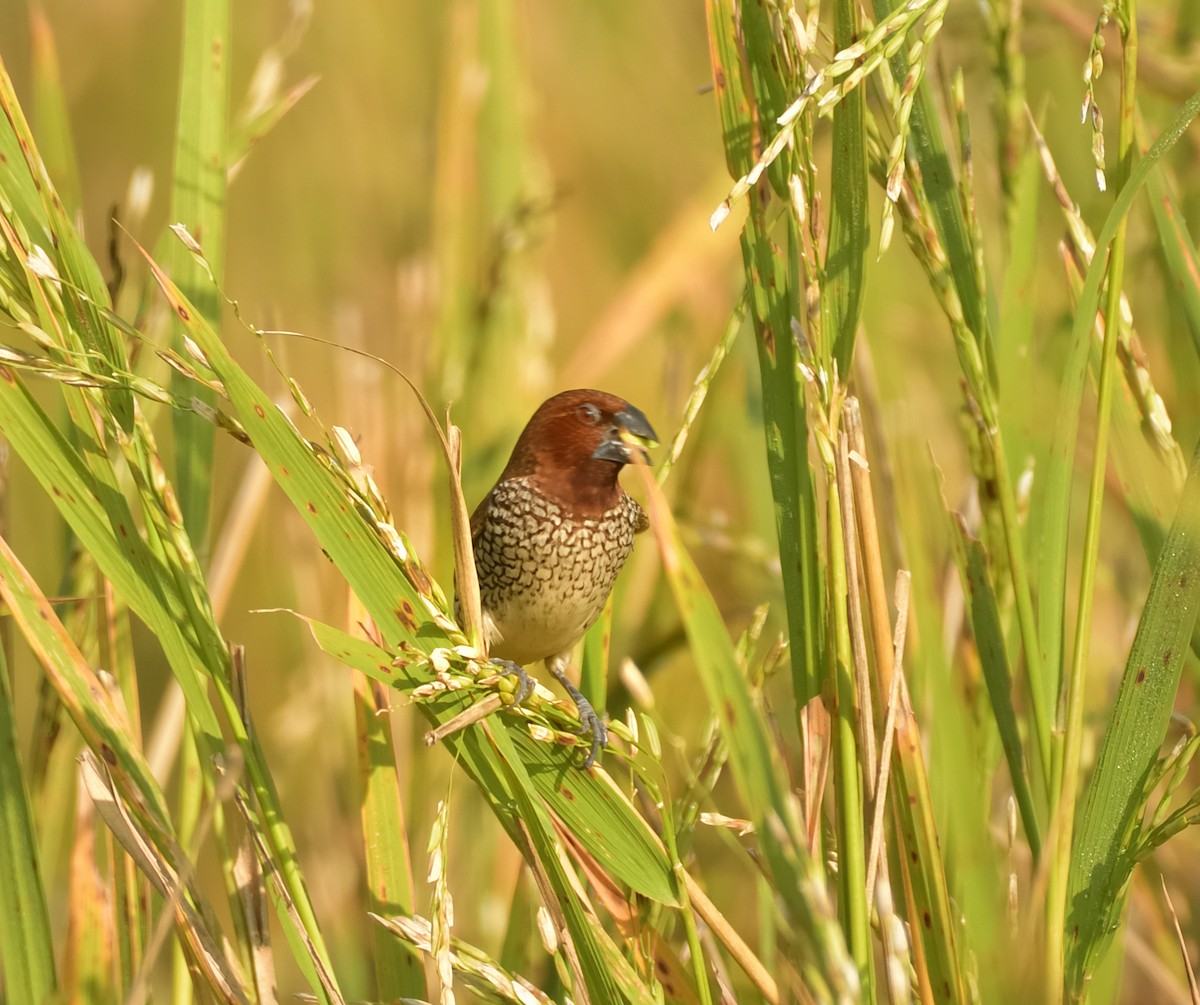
x=553, y=533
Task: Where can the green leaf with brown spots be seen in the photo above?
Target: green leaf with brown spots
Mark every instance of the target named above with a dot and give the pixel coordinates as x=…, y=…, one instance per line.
x=730, y=85
x=785, y=423
x=589, y=803
x=602, y=974
x=1137, y=727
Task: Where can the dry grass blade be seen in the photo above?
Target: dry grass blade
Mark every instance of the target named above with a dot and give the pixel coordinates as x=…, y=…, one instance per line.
x=728, y=936
x=924, y=874
x=252, y=897
x=227, y=781
x=1154, y=972
x=207, y=953
x=817, y=743
x=468, y=717
x=862, y=671
x=669, y=971
x=478, y=971
x=466, y=577
x=903, y=584
x=1193, y=987
x=285, y=899
x=550, y=902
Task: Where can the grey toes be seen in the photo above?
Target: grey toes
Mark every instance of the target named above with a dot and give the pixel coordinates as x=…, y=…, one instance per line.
x=524, y=681
x=595, y=725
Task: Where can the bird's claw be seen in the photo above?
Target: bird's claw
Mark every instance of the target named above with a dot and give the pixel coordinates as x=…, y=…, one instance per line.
x=591, y=722
x=524, y=682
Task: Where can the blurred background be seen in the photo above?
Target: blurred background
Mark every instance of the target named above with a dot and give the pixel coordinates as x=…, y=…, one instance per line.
x=509, y=199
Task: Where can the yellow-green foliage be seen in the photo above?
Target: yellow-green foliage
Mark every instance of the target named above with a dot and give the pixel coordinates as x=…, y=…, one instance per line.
x=891, y=680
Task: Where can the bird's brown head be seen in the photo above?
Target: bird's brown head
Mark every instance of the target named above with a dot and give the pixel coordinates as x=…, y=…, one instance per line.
x=575, y=445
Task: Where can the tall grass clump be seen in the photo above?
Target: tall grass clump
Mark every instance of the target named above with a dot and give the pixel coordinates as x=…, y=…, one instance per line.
x=901, y=682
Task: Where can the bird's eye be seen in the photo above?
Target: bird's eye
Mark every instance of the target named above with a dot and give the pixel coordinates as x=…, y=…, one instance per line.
x=589, y=413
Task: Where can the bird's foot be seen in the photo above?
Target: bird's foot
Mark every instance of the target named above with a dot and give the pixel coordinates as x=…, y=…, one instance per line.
x=591, y=722
x=524, y=682
x=595, y=725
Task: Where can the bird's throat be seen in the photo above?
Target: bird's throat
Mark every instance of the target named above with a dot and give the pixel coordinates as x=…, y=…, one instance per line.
x=587, y=490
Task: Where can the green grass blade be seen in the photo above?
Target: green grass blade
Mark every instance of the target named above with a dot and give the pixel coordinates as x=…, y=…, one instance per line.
x=512, y=196
x=1148, y=462
x=759, y=32
x=85, y=294
x=198, y=202
x=26, y=944
x=121, y=554
x=593, y=669
x=607, y=975
x=1136, y=730
x=756, y=769
x=391, y=585
x=927, y=146
x=600, y=816
x=989, y=639
x=588, y=803
x=398, y=971
x=1021, y=415
x=1018, y=305
x=455, y=202
x=50, y=112
x=844, y=282
x=786, y=427
x=730, y=86
x=846, y=713
x=1055, y=499
x=1179, y=251
x=772, y=303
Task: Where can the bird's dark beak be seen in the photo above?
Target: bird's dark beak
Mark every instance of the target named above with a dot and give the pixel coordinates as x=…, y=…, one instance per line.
x=633, y=430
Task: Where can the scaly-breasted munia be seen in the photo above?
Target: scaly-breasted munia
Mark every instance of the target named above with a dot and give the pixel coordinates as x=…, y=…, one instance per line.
x=551, y=536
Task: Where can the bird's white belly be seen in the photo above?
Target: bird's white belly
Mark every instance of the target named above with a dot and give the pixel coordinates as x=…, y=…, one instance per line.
x=548, y=622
